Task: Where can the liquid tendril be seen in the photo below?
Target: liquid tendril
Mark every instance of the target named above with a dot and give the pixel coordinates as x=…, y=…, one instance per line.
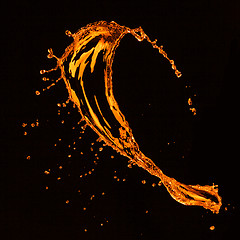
x=79, y=58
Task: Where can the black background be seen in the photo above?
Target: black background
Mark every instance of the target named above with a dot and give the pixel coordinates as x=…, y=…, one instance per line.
x=203, y=39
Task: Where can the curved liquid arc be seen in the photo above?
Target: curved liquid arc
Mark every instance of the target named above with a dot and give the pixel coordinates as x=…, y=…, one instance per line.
x=77, y=59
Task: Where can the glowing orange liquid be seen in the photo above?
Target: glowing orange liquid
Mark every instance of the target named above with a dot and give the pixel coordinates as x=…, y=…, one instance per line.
x=76, y=59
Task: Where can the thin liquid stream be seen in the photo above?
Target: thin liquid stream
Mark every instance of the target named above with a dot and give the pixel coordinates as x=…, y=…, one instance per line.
x=105, y=37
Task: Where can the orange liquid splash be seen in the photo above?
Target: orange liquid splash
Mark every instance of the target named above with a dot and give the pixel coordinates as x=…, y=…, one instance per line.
x=79, y=58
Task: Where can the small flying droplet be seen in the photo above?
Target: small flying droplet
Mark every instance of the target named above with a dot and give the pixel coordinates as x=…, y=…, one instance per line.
x=212, y=228
x=68, y=33
x=189, y=101
x=194, y=111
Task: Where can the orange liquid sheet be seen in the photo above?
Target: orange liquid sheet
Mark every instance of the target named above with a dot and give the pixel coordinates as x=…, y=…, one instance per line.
x=104, y=37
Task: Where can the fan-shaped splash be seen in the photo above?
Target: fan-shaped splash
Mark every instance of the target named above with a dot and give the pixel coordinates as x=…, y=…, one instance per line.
x=78, y=64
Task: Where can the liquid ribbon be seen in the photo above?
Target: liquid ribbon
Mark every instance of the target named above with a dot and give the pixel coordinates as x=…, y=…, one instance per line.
x=78, y=59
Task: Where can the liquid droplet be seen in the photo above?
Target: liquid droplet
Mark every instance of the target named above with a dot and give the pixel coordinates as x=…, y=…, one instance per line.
x=68, y=33
x=24, y=124
x=190, y=101
x=212, y=228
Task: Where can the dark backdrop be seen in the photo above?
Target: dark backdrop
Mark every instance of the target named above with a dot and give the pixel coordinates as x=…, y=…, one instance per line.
x=203, y=39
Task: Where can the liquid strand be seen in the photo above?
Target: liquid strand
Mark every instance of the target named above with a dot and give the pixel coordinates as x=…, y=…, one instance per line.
x=80, y=59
